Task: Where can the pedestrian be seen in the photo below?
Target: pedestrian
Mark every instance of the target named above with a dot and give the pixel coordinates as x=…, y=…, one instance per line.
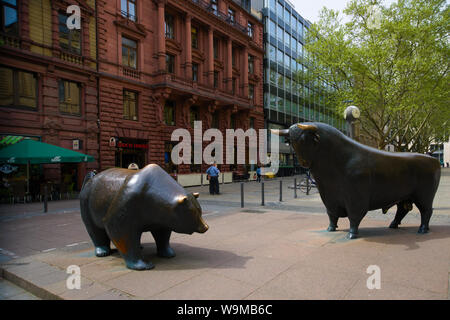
x=213, y=177
x=258, y=174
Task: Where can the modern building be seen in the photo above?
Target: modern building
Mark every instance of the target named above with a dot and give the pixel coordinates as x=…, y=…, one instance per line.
x=48, y=84
x=287, y=98
x=164, y=64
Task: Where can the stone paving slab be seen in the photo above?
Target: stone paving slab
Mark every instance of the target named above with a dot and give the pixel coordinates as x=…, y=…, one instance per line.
x=244, y=255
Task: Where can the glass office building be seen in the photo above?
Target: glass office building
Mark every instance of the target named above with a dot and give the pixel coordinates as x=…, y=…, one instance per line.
x=287, y=98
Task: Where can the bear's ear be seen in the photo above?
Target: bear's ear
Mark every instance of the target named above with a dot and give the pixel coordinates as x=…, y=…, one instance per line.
x=181, y=199
x=196, y=194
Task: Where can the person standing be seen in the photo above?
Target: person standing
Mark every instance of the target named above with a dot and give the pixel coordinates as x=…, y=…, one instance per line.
x=213, y=174
x=258, y=174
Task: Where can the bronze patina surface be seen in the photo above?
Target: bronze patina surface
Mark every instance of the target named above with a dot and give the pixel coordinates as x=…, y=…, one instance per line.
x=119, y=204
x=353, y=178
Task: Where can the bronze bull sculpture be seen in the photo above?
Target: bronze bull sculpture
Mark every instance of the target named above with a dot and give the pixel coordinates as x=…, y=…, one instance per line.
x=353, y=178
x=119, y=204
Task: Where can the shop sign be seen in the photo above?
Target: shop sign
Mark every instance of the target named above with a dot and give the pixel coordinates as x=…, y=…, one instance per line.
x=132, y=145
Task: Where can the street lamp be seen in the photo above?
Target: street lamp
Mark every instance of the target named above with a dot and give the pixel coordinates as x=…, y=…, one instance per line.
x=352, y=115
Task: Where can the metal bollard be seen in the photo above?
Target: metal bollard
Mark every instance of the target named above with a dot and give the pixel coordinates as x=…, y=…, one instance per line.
x=242, y=194
x=262, y=193
x=295, y=188
x=45, y=199
x=281, y=190
x=307, y=185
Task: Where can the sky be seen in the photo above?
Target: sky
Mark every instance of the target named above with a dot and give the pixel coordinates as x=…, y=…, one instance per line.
x=309, y=9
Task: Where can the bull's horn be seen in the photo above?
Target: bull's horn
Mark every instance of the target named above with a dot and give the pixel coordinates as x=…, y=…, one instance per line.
x=311, y=127
x=196, y=194
x=181, y=199
x=281, y=133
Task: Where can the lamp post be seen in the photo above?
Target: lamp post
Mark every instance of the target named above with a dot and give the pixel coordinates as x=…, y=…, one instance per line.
x=351, y=115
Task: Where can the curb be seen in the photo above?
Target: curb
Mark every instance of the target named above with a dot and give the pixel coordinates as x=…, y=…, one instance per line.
x=28, y=286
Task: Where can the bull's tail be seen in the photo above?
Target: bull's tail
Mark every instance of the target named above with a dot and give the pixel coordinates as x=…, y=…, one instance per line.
x=88, y=177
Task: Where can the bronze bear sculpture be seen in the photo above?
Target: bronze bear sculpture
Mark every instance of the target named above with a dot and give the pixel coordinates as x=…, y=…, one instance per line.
x=353, y=178
x=119, y=204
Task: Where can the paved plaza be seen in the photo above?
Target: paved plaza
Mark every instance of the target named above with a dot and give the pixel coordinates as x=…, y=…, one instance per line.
x=279, y=251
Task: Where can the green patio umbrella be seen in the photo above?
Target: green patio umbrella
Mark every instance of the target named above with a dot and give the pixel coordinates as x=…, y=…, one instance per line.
x=30, y=151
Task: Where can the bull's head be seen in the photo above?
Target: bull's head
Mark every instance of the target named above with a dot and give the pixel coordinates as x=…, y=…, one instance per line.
x=304, y=140
x=189, y=215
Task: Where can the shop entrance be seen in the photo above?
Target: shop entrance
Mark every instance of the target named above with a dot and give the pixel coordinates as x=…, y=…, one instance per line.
x=131, y=151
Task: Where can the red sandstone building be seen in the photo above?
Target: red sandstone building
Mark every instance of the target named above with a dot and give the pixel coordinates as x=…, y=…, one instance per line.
x=135, y=71
x=165, y=64
x=48, y=82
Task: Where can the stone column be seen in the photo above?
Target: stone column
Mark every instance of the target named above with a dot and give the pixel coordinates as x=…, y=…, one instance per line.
x=188, y=46
x=161, y=37
x=210, y=56
x=229, y=65
x=244, y=73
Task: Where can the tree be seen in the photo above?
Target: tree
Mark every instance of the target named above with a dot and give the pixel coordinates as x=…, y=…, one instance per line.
x=393, y=63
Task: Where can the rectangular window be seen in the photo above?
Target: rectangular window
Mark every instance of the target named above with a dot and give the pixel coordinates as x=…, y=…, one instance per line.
x=169, y=26
x=169, y=113
x=251, y=92
x=272, y=27
x=195, y=72
x=194, y=37
x=193, y=116
x=272, y=53
x=216, y=48
x=9, y=18
x=69, y=97
x=216, y=79
x=69, y=40
x=129, y=53
x=252, y=122
x=213, y=6
x=233, y=86
x=279, y=10
x=215, y=120
x=231, y=15
x=233, y=57
x=128, y=9
x=280, y=33
x=130, y=105
x=170, y=63
x=18, y=88
x=250, y=30
x=251, y=64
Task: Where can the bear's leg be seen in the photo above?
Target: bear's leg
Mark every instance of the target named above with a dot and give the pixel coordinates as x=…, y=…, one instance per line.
x=98, y=236
x=355, y=220
x=128, y=242
x=333, y=221
x=162, y=243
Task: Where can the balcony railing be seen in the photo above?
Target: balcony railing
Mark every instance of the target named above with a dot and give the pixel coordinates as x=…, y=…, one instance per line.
x=70, y=57
x=206, y=5
x=9, y=40
x=129, y=72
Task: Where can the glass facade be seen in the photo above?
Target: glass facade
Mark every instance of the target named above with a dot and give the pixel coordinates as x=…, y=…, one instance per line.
x=288, y=98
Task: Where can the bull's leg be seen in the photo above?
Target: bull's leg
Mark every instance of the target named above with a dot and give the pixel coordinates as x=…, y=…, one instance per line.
x=402, y=210
x=162, y=243
x=128, y=242
x=425, y=216
x=333, y=222
x=426, y=210
x=98, y=236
